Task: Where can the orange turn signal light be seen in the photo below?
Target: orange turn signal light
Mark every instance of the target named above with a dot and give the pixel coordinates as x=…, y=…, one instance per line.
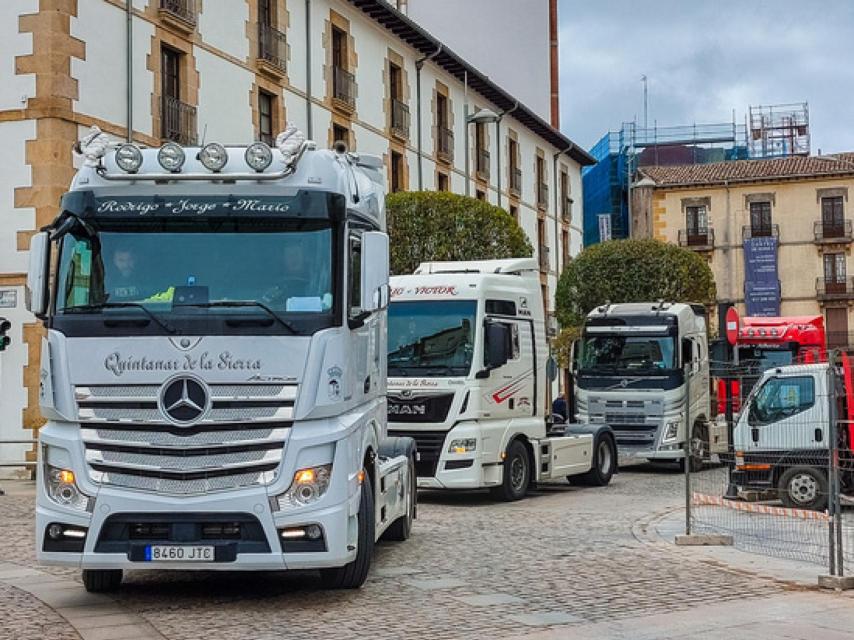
x=305, y=476
x=66, y=476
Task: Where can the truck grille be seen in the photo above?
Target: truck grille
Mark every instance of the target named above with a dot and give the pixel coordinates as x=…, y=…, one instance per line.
x=429, y=449
x=419, y=408
x=239, y=443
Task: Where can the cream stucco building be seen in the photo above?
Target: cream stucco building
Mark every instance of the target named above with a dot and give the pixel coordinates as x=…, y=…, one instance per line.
x=233, y=71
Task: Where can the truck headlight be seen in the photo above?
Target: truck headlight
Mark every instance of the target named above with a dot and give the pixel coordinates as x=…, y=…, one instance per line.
x=63, y=490
x=462, y=445
x=671, y=430
x=309, y=486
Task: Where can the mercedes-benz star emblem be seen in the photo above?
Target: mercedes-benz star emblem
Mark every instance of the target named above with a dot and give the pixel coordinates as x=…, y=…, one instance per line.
x=184, y=400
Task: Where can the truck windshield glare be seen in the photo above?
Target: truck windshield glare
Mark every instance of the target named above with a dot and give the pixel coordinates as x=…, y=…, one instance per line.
x=636, y=354
x=431, y=338
x=204, y=270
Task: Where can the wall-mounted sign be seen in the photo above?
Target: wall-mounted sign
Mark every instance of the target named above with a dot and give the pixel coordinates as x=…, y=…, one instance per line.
x=761, y=279
x=8, y=298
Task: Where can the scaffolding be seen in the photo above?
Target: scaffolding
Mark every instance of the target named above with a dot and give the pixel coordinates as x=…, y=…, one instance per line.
x=779, y=130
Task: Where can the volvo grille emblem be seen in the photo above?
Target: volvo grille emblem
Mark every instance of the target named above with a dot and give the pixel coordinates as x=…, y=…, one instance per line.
x=184, y=400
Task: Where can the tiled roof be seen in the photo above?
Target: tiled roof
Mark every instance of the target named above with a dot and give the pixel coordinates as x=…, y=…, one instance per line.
x=752, y=170
x=418, y=38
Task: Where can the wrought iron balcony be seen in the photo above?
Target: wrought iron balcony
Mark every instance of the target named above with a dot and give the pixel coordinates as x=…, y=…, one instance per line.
x=545, y=263
x=516, y=181
x=399, y=119
x=177, y=121
x=343, y=88
x=482, y=164
x=702, y=239
x=763, y=231
x=445, y=144
x=272, y=48
x=543, y=195
x=179, y=13
x=832, y=233
x=834, y=288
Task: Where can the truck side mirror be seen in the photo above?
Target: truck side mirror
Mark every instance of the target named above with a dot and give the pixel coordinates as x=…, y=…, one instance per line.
x=497, y=344
x=37, y=275
x=375, y=267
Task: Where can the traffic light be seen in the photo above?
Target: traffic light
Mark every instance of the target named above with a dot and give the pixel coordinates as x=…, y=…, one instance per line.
x=5, y=325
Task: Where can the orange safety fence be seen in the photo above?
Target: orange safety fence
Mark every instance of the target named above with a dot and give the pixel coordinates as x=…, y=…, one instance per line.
x=702, y=499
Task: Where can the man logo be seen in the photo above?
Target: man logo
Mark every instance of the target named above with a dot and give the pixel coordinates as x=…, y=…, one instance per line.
x=407, y=409
x=184, y=400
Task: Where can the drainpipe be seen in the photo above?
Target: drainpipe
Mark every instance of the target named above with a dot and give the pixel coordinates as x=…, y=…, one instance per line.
x=498, y=145
x=557, y=204
x=308, y=44
x=418, y=64
x=129, y=62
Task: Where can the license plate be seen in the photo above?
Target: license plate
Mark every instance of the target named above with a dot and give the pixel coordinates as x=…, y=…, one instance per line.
x=179, y=553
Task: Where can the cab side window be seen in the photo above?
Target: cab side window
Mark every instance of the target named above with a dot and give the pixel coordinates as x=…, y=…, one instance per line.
x=781, y=398
x=354, y=285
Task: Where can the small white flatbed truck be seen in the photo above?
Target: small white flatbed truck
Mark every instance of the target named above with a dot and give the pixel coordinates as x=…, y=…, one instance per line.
x=467, y=381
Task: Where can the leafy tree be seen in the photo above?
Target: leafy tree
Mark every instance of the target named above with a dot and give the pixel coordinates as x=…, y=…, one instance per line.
x=436, y=225
x=631, y=271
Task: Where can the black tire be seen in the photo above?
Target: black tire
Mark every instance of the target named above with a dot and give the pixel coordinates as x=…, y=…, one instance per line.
x=803, y=487
x=699, y=448
x=517, y=474
x=400, y=529
x=102, y=580
x=354, y=574
x=604, y=464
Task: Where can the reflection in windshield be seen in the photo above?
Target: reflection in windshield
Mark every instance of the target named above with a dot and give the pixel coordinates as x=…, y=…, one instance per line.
x=627, y=353
x=434, y=338
x=757, y=359
x=285, y=269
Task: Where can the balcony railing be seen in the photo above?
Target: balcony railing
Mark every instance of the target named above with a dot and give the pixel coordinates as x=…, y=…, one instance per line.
x=764, y=231
x=482, y=164
x=543, y=195
x=516, y=181
x=399, y=119
x=545, y=263
x=830, y=232
x=181, y=13
x=177, y=121
x=272, y=47
x=834, y=288
x=344, y=88
x=697, y=239
x=445, y=144
x=566, y=209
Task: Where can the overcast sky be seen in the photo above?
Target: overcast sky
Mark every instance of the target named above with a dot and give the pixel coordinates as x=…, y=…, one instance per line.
x=704, y=58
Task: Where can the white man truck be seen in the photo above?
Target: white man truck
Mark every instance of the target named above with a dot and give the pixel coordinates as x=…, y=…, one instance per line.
x=213, y=371
x=636, y=366
x=783, y=434
x=467, y=380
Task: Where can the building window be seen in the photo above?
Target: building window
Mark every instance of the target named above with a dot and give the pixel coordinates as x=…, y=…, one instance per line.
x=399, y=109
x=565, y=202
x=442, y=182
x=272, y=43
x=481, y=152
x=396, y=172
x=341, y=134
x=697, y=224
x=266, y=106
x=343, y=82
x=542, y=187
x=832, y=217
x=177, y=119
x=565, y=247
x=545, y=292
x=760, y=219
x=515, y=171
x=444, y=134
x=542, y=247
x=480, y=195
x=834, y=273
x=514, y=211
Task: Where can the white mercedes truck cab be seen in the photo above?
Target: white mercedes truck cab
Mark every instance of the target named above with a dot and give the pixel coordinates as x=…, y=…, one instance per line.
x=636, y=366
x=213, y=368
x=467, y=359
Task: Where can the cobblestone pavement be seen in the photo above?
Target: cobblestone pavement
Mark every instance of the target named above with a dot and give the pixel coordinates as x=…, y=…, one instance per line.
x=473, y=568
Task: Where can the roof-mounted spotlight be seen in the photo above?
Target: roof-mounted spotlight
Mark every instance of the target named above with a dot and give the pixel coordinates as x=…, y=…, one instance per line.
x=171, y=157
x=258, y=156
x=129, y=158
x=213, y=157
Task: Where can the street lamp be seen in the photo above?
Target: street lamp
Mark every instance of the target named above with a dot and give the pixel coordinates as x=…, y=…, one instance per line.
x=483, y=116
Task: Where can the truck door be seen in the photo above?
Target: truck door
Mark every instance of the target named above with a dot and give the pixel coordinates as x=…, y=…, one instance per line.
x=512, y=390
x=785, y=414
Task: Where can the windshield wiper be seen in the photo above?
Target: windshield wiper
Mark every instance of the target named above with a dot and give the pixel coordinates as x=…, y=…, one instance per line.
x=120, y=305
x=244, y=303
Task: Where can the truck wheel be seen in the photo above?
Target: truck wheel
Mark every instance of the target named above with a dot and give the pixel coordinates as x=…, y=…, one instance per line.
x=803, y=487
x=400, y=529
x=517, y=474
x=604, y=462
x=353, y=575
x=699, y=448
x=101, y=580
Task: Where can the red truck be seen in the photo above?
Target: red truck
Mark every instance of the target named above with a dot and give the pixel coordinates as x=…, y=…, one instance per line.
x=766, y=342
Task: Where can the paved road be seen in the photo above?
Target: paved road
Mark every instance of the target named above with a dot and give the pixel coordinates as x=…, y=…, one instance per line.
x=473, y=568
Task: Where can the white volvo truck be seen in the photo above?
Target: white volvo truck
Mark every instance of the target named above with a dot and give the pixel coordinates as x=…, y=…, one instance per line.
x=630, y=373
x=467, y=380
x=213, y=372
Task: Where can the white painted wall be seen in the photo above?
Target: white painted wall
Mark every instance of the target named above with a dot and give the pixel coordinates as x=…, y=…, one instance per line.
x=223, y=25
x=143, y=79
x=16, y=89
x=508, y=40
x=224, y=100
x=14, y=174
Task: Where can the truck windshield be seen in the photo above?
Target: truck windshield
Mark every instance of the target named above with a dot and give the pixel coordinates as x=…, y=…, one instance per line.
x=621, y=353
x=762, y=358
x=431, y=338
x=261, y=269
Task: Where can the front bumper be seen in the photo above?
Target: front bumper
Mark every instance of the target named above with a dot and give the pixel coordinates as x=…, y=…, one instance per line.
x=665, y=455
